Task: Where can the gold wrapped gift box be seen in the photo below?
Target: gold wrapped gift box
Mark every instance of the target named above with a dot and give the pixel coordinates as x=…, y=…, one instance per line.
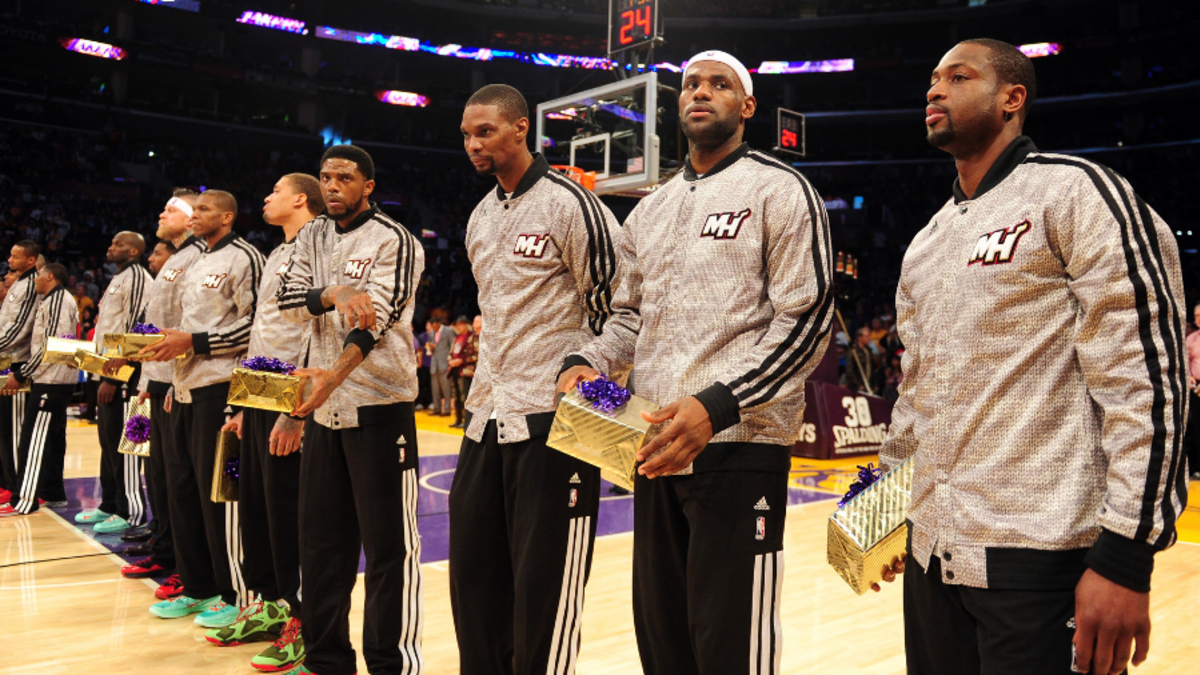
x=265, y=391
x=610, y=441
x=127, y=345
x=5, y=361
x=126, y=446
x=224, y=487
x=61, y=351
x=870, y=530
x=91, y=363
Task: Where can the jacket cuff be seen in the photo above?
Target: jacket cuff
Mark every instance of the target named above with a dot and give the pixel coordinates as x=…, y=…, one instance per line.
x=363, y=338
x=16, y=375
x=1122, y=561
x=573, y=360
x=722, y=406
x=312, y=301
x=200, y=343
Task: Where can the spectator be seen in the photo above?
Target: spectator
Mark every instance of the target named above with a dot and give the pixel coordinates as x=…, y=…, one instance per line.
x=860, y=364
x=464, y=354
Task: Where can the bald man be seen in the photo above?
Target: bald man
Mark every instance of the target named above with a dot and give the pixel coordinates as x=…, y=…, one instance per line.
x=122, y=505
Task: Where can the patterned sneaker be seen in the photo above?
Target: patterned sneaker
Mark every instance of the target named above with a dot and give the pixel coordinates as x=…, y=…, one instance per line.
x=218, y=615
x=301, y=670
x=286, y=652
x=8, y=510
x=260, y=622
x=171, y=588
x=181, y=606
x=112, y=525
x=91, y=516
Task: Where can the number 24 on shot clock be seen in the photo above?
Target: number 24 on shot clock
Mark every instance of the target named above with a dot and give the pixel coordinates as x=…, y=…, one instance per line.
x=631, y=24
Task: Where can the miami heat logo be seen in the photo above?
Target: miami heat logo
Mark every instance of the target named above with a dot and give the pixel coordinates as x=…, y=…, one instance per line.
x=213, y=280
x=172, y=275
x=724, y=225
x=283, y=268
x=531, y=245
x=355, y=269
x=998, y=247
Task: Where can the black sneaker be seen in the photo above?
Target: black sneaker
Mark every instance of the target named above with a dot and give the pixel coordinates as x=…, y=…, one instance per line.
x=140, y=534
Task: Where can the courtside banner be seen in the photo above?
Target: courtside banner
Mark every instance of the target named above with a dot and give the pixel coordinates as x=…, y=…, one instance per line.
x=839, y=422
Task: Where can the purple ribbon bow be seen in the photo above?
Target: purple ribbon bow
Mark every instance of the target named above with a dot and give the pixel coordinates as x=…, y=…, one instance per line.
x=605, y=395
x=266, y=364
x=867, y=475
x=137, y=429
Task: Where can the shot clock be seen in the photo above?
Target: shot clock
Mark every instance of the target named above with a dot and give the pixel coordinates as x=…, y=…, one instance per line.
x=632, y=24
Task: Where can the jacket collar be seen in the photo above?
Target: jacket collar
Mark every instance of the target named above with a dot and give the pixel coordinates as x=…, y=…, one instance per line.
x=28, y=273
x=192, y=239
x=224, y=241
x=56, y=289
x=689, y=173
x=358, y=221
x=1009, y=160
x=533, y=174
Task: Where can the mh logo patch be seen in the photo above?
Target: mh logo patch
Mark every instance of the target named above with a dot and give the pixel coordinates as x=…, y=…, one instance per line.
x=283, y=268
x=998, y=247
x=531, y=245
x=213, y=280
x=724, y=225
x=355, y=269
x=172, y=275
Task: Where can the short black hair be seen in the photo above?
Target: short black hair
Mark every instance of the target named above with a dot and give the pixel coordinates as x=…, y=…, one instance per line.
x=510, y=101
x=225, y=200
x=1011, y=66
x=167, y=244
x=310, y=187
x=30, y=247
x=353, y=153
x=58, y=271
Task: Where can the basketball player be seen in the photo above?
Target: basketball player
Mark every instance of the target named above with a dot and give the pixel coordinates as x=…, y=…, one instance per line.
x=352, y=279
x=523, y=516
x=16, y=327
x=732, y=277
x=43, y=443
x=269, y=484
x=163, y=310
x=1044, y=395
x=120, y=475
x=217, y=303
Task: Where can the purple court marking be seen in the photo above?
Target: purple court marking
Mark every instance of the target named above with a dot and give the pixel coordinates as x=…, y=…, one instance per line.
x=433, y=521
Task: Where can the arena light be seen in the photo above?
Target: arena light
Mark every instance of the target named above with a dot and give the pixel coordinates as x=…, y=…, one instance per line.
x=397, y=42
x=1039, y=49
x=264, y=20
x=405, y=98
x=794, y=67
x=186, y=5
x=92, y=48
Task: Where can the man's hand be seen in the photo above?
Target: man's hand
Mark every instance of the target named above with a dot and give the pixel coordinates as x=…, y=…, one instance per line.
x=285, y=437
x=323, y=383
x=571, y=377
x=687, y=434
x=454, y=363
x=1109, y=618
x=113, y=365
x=142, y=396
x=10, y=387
x=104, y=395
x=176, y=343
x=234, y=425
x=890, y=572
x=355, y=305
x=169, y=400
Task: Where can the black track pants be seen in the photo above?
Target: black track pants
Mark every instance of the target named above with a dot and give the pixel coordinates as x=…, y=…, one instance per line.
x=269, y=501
x=42, y=447
x=522, y=526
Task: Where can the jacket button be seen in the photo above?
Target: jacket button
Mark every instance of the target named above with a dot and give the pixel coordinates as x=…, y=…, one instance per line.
x=949, y=574
x=501, y=435
x=946, y=556
x=506, y=207
x=502, y=425
x=963, y=210
x=693, y=188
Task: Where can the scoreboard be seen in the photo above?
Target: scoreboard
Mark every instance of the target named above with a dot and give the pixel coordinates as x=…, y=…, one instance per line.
x=789, y=132
x=632, y=24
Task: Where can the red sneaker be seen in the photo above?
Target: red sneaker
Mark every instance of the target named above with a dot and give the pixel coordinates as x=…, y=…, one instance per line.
x=142, y=568
x=5, y=495
x=170, y=589
x=8, y=510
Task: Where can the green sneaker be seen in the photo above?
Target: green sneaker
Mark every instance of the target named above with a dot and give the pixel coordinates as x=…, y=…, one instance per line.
x=260, y=622
x=181, y=606
x=112, y=525
x=286, y=652
x=91, y=516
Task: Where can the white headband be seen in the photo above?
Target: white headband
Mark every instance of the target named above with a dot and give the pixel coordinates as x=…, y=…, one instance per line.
x=181, y=205
x=729, y=60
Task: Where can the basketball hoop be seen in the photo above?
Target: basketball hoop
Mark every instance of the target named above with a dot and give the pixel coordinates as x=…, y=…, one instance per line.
x=585, y=178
